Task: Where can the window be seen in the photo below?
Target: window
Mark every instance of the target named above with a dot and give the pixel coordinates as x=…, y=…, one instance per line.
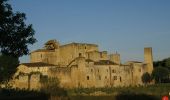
x=88, y=55
x=41, y=55
x=99, y=77
x=105, y=77
x=101, y=55
x=80, y=54
x=87, y=77
x=120, y=79
x=139, y=70
x=85, y=47
x=98, y=70
x=114, y=77
x=113, y=71
x=91, y=70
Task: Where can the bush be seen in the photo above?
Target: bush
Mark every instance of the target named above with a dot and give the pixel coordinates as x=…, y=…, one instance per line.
x=146, y=78
x=160, y=73
x=16, y=94
x=51, y=86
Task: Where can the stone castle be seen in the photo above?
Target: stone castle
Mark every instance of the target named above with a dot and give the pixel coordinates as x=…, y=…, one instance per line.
x=81, y=65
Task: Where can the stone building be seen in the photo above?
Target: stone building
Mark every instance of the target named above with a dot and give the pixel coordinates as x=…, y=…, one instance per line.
x=81, y=65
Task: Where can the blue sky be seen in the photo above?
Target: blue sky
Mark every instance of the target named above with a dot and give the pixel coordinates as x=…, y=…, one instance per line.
x=125, y=26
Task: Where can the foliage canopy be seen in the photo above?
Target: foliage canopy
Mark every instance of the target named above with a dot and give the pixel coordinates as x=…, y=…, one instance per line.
x=15, y=35
x=8, y=65
x=159, y=74
x=146, y=78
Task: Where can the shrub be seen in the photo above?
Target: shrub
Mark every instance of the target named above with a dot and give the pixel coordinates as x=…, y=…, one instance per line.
x=51, y=86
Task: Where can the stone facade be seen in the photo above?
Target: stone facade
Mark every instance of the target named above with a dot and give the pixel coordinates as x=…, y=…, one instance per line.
x=82, y=65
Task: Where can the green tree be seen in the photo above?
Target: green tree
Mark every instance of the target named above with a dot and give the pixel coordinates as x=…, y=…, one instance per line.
x=15, y=35
x=167, y=63
x=146, y=78
x=159, y=74
x=163, y=63
x=8, y=66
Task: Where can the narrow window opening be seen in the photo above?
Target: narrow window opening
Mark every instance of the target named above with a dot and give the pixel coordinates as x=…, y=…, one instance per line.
x=88, y=56
x=80, y=54
x=99, y=77
x=91, y=70
x=105, y=77
x=120, y=79
x=87, y=77
x=113, y=71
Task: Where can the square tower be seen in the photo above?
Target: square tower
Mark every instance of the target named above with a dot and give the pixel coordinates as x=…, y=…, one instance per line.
x=115, y=58
x=148, y=59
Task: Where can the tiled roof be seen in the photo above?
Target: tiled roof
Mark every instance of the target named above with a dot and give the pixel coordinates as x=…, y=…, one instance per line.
x=37, y=64
x=104, y=62
x=43, y=50
x=134, y=62
x=74, y=43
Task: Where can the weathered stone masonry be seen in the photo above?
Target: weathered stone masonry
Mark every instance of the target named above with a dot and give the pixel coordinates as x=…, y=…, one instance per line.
x=81, y=65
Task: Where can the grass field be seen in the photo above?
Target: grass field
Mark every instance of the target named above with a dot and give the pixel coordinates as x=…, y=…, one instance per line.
x=151, y=92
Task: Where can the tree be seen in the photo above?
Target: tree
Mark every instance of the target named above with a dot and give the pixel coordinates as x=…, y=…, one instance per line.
x=50, y=85
x=146, y=78
x=167, y=63
x=8, y=66
x=15, y=35
x=159, y=74
x=164, y=63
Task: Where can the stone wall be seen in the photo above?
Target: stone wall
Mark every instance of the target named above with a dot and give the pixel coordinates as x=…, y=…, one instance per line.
x=83, y=65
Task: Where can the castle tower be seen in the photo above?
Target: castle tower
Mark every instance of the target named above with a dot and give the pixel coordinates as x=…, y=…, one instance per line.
x=148, y=59
x=115, y=58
